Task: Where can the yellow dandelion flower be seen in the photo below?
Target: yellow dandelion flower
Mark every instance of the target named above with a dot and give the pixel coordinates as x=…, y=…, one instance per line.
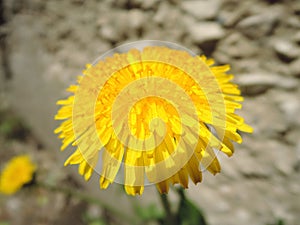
x=157, y=115
x=18, y=172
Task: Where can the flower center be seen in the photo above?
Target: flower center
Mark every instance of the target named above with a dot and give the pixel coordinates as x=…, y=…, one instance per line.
x=153, y=115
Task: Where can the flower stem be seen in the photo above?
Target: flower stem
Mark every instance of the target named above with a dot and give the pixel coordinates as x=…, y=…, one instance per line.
x=170, y=217
x=88, y=199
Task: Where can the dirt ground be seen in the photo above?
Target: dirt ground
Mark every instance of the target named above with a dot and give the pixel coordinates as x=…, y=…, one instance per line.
x=46, y=44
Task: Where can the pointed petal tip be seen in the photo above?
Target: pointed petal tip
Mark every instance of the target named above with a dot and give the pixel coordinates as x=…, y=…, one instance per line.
x=246, y=128
x=104, y=183
x=134, y=190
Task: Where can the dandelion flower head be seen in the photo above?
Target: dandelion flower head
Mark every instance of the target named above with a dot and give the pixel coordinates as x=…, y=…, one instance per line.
x=156, y=115
x=17, y=172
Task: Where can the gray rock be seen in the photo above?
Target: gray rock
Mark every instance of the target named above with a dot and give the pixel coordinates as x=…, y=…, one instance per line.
x=286, y=50
x=205, y=32
x=296, y=37
x=108, y=32
x=2, y=74
x=296, y=7
x=292, y=137
x=283, y=159
x=162, y=13
x=260, y=25
x=293, y=21
x=233, y=44
x=126, y=3
x=115, y=27
x=259, y=82
x=249, y=167
x=150, y=4
x=274, y=66
x=294, y=68
x=298, y=149
x=232, y=13
x=289, y=104
x=136, y=19
x=167, y=16
x=265, y=118
x=201, y=10
x=272, y=154
x=245, y=65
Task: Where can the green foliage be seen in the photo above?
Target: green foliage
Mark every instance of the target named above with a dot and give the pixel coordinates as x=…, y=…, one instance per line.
x=11, y=127
x=149, y=213
x=97, y=222
x=90, y=220
x=188, y=213
x=4, y=223
x=278, y=222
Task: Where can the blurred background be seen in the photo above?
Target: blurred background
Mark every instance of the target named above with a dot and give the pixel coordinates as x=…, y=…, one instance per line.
x=44, y=45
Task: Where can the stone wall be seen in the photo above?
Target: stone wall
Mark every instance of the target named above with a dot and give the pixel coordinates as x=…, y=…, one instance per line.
x=45, y=45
